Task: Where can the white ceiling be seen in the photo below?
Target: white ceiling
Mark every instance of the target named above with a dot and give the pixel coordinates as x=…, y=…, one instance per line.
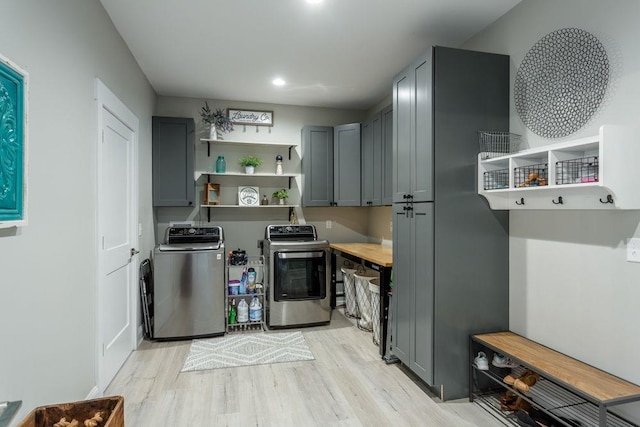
x=338, y=54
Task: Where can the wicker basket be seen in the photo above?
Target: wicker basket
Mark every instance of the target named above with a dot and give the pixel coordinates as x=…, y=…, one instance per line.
x=111, y=409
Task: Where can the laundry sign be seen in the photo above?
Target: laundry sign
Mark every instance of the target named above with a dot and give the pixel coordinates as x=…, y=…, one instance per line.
x=246, y=117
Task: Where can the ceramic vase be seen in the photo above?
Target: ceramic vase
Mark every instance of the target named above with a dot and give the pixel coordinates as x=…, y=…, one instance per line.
x=249, y=170
x=213, y=132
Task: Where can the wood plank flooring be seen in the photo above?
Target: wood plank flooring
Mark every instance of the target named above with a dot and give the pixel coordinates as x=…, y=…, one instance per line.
x=346, y=385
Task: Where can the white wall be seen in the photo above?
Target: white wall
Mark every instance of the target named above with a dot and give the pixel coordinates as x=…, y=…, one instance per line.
x=570, y=285
x=48, y=269
x=244, y=227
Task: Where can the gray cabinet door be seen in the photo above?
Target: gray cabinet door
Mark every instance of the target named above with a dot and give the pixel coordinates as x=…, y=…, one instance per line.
x=422, y=362
x=422, y=128
x=173, y=140
x=372, y=173
x=413, y=287
x=367, y=162
x=317, y=166
x=402, y=120
x=413, y=132
x=346, y=157
x=403, y=285
x=387, y=155
x=376, y=158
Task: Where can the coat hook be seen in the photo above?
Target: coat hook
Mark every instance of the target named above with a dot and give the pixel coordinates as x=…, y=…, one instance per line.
x=609, y=199
x=559, y=202
x=521, y=202
x=257, y=129
x=269, y=129
x=244, y=128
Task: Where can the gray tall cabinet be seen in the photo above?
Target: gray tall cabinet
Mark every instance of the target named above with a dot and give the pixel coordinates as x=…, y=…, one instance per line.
x=450, y=250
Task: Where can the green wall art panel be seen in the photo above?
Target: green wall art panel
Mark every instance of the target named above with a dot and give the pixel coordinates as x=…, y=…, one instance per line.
x=13, y=131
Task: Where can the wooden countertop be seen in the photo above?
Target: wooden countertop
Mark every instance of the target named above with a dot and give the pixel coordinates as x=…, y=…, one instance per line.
x=591, y=381
x=372, y=252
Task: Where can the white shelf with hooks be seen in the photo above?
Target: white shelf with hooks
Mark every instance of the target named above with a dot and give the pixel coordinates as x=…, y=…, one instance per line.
x=597, y=172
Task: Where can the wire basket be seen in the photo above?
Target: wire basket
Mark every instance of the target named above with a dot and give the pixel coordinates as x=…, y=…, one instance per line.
x=577, y=171
x=531, y=175
x=496, y=180
x=496, y=144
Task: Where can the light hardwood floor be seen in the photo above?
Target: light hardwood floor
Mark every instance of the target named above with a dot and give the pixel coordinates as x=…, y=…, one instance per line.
x=346, y=385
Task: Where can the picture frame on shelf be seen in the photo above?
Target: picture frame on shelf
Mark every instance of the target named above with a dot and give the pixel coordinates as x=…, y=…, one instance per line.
x=211, y=194
x=248, y=195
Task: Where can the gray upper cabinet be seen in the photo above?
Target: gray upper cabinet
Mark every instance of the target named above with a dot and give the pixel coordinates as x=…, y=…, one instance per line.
x=387, y=155
x=173, y=161
x=317, y=166
x=377, y=159
x=331, y=165
x=346, y=155
x=372, y=161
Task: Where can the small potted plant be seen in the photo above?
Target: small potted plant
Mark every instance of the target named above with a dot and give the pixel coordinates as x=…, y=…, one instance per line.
x=249, y=163
x=281, y=195
x=217, y=121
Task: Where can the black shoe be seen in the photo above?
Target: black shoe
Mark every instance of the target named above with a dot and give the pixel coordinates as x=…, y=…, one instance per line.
x=546, y=420
x=525, y=420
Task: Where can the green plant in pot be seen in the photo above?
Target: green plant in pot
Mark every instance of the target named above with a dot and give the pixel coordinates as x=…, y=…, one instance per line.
x=249, y=163
x=281, y=195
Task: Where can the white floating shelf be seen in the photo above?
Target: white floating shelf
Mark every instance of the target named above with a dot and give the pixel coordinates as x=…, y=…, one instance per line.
x=241, y=174
x=247, y=143
x=250, y=207
x=606, y=175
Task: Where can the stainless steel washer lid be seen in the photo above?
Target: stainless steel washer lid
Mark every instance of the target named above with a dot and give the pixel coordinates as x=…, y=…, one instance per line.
x=190, y=247
x=291, y=232
x=192, y=238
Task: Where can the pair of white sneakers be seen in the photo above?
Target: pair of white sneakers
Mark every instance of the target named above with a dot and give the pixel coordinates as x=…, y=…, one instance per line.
x=499, y=360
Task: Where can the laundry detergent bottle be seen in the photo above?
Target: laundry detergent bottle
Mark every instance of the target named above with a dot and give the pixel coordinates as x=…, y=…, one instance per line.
x=243, y=311
x=255, y=310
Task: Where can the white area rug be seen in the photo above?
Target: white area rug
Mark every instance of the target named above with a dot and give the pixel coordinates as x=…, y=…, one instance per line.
x=245, y=350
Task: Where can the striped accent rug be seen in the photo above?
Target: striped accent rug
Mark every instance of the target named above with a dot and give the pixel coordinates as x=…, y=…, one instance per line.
x=246, y=349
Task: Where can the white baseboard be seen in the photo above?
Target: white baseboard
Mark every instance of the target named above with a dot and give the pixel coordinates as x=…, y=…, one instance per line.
x=94, y=393
x=140, y=335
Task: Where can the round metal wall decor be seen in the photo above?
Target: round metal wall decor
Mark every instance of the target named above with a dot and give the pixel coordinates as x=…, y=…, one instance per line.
x=561, y=82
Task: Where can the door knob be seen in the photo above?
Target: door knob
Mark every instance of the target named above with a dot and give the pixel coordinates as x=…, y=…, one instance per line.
x=134, y=251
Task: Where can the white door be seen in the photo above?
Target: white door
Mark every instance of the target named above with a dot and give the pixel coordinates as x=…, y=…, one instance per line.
x=117, y=237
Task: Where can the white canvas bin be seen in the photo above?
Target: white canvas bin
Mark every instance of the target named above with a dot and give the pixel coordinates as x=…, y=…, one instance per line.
x=363, y=295
x=350, y=302
x=374, y=288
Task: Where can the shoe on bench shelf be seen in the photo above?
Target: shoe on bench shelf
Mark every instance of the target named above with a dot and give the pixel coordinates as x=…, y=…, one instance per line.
x=481, y=362
x=501, y=361
x=522, y=383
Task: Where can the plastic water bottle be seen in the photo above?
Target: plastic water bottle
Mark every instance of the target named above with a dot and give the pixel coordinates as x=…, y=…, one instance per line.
x=255, y=310
x=243, y=311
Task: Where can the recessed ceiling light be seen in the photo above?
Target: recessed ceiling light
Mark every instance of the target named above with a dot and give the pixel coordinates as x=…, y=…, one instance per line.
x=278, y=82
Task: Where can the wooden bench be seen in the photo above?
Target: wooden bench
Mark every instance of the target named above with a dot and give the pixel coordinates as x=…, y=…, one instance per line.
x=568, y=388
